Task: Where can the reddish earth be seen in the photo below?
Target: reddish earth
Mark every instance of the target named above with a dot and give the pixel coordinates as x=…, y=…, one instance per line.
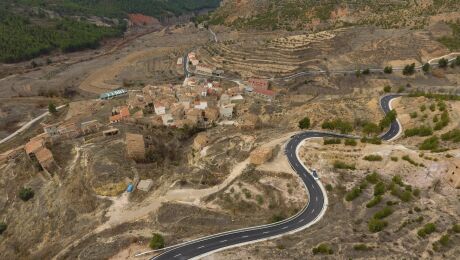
x=142, y=20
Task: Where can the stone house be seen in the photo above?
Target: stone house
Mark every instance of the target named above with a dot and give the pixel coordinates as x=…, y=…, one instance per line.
x=226, y=111
x=135, y=146
x=119, y=114
x=160, y=109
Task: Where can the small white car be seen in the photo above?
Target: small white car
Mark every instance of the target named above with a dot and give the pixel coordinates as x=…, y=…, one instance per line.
x=315, y=174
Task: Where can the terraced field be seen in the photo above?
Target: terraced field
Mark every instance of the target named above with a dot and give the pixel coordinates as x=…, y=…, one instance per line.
x=278, y=57
x=341, y=49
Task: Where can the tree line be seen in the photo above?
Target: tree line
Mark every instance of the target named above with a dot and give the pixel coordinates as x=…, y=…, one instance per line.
x=22, y=40
x=119, y=8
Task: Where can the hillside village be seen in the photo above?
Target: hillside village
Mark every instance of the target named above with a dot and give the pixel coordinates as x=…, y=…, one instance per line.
x=201, y=102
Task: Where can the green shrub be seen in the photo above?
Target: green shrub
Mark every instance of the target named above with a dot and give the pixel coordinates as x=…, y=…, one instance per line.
x=332, y=141
x=343, y=165
x=413, y=115
x=373, y=157
x=157, y=241
x=433, y=107
x=329, y=187
x=388, y=70
x=350, y=142
x=431, y=143
x=3, y=227
x=379, y=188
x=362, y=247
x=366, y=72
x=337, y=124
x=388, y=119
x=401, y=89
x=397, y=180
x=418, y=131
x=259, y=199
x=426, y=230
x=422, y=108
x=387, y=89
x=443, y=63
x=371, y=128
x=419, y=219
x=409, y=69
x=408, y=159
x=453, y=136
x=323, y=249
x=456, y=228
x=394, y=159
x=376, y=225
x=363, y=185
x=52, y=108
x=247, y=193
x=304, y=123
x=372, y=140
x=277, y=218
x=374, y=201
x=444, y=240
x=426, y=67
x=444, y=121
x=373, y=178
x=26, y=194
x=403, y=195
x=353, y=194
x=442, y=105
x=383, y=213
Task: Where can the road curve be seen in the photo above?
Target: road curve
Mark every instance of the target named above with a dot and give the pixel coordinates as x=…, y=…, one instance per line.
x=307, y=216
x=395, y=127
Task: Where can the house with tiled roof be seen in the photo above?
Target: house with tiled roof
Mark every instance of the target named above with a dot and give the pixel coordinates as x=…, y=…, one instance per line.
x=119, y=114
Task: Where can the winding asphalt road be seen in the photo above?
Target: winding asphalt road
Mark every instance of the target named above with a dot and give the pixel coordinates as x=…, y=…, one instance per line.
x=311, y=213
